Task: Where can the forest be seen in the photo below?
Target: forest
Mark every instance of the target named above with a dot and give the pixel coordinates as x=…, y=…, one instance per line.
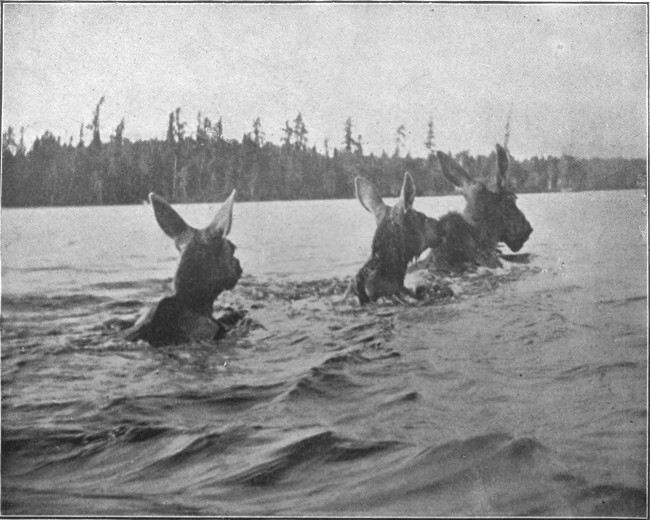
x=202, y=166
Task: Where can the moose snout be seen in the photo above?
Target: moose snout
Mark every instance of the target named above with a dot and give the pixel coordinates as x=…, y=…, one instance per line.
x=231, y=275
x=528, y=229
x=516, y=244
x=238, y=269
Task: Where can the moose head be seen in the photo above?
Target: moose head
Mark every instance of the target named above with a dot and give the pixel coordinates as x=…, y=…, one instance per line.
x=493, y=214
x=206, y=268
x=402, y=234
x=207, y=265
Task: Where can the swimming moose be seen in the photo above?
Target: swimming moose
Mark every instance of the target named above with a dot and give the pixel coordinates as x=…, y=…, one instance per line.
x=402, y=234
x=207, y=267
x=470, y=240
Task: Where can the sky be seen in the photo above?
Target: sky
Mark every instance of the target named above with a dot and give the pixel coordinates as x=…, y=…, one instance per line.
x=570, y=78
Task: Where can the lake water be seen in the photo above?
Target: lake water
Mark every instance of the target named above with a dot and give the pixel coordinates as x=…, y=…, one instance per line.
x=523, y=394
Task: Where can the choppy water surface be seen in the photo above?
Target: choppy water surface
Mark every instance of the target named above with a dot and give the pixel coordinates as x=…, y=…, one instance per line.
x=524, y=394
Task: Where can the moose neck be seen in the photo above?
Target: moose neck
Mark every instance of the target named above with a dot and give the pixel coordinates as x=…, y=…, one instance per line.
x=391, y=249
x=480, y=212
x=195, y=288
x=199, y=303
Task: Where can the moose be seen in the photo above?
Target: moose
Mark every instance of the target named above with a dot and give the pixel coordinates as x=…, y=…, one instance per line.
x=402, y=234
x=470, y=239
x=207, y=267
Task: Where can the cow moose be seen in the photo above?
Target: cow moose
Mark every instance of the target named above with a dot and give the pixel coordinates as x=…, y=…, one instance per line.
x=470, y=239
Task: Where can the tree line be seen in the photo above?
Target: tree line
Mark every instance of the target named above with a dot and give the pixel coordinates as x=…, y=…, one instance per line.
x=203, y=166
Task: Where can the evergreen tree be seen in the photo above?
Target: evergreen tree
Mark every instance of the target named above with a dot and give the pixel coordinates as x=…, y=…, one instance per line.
x=96, y=142
x=119, y=130
x=9, y=141
x=348, y=141
x=300, y=133
x=359, y=145
x=170, y=129
x=200, y=137
x=218, y=132
x=178, y=180
x=10, y=181
x=21, y=144
x=506, y=136
x=179, y=128
x=258, y=134
x=400, y=136
x=430, y=142
x=207, y=131
x=97, y=165
x=288, y=133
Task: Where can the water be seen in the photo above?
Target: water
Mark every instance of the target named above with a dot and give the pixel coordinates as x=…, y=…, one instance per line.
x=524, y=394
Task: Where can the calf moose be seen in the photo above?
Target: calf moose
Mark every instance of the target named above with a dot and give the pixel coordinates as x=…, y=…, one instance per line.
x=207, y=267
x=402, y=234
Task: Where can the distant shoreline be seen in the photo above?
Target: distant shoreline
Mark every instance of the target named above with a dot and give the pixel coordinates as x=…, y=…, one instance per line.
x=205, y=167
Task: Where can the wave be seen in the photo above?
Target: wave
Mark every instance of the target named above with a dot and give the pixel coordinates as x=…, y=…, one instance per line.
x=154, y=458
x=487, y=475
x=37, y=454
x=64, y=267
x=320, y=448
x=595, y=369
x=130, y=284
x=321, y=382
x=356, y=357
x=188, y=451
x=230, y=399
x=38, y=302
x=624, y=301
x=316, y=471
x=613, y=500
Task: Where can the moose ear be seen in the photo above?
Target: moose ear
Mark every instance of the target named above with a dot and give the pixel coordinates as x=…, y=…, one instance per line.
x=504, y=162
x=407, y=195
x=453, y=171
x=169, y=221
x=222, y=221
x=369, y=198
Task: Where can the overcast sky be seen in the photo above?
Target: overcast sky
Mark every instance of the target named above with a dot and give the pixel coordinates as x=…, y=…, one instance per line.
x=573, y=77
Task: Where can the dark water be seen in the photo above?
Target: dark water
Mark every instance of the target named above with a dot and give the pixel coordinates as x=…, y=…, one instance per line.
x=523, y=394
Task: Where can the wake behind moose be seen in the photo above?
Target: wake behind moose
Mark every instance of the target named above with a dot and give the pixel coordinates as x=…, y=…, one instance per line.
x=470, y=239
x=206, y=268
